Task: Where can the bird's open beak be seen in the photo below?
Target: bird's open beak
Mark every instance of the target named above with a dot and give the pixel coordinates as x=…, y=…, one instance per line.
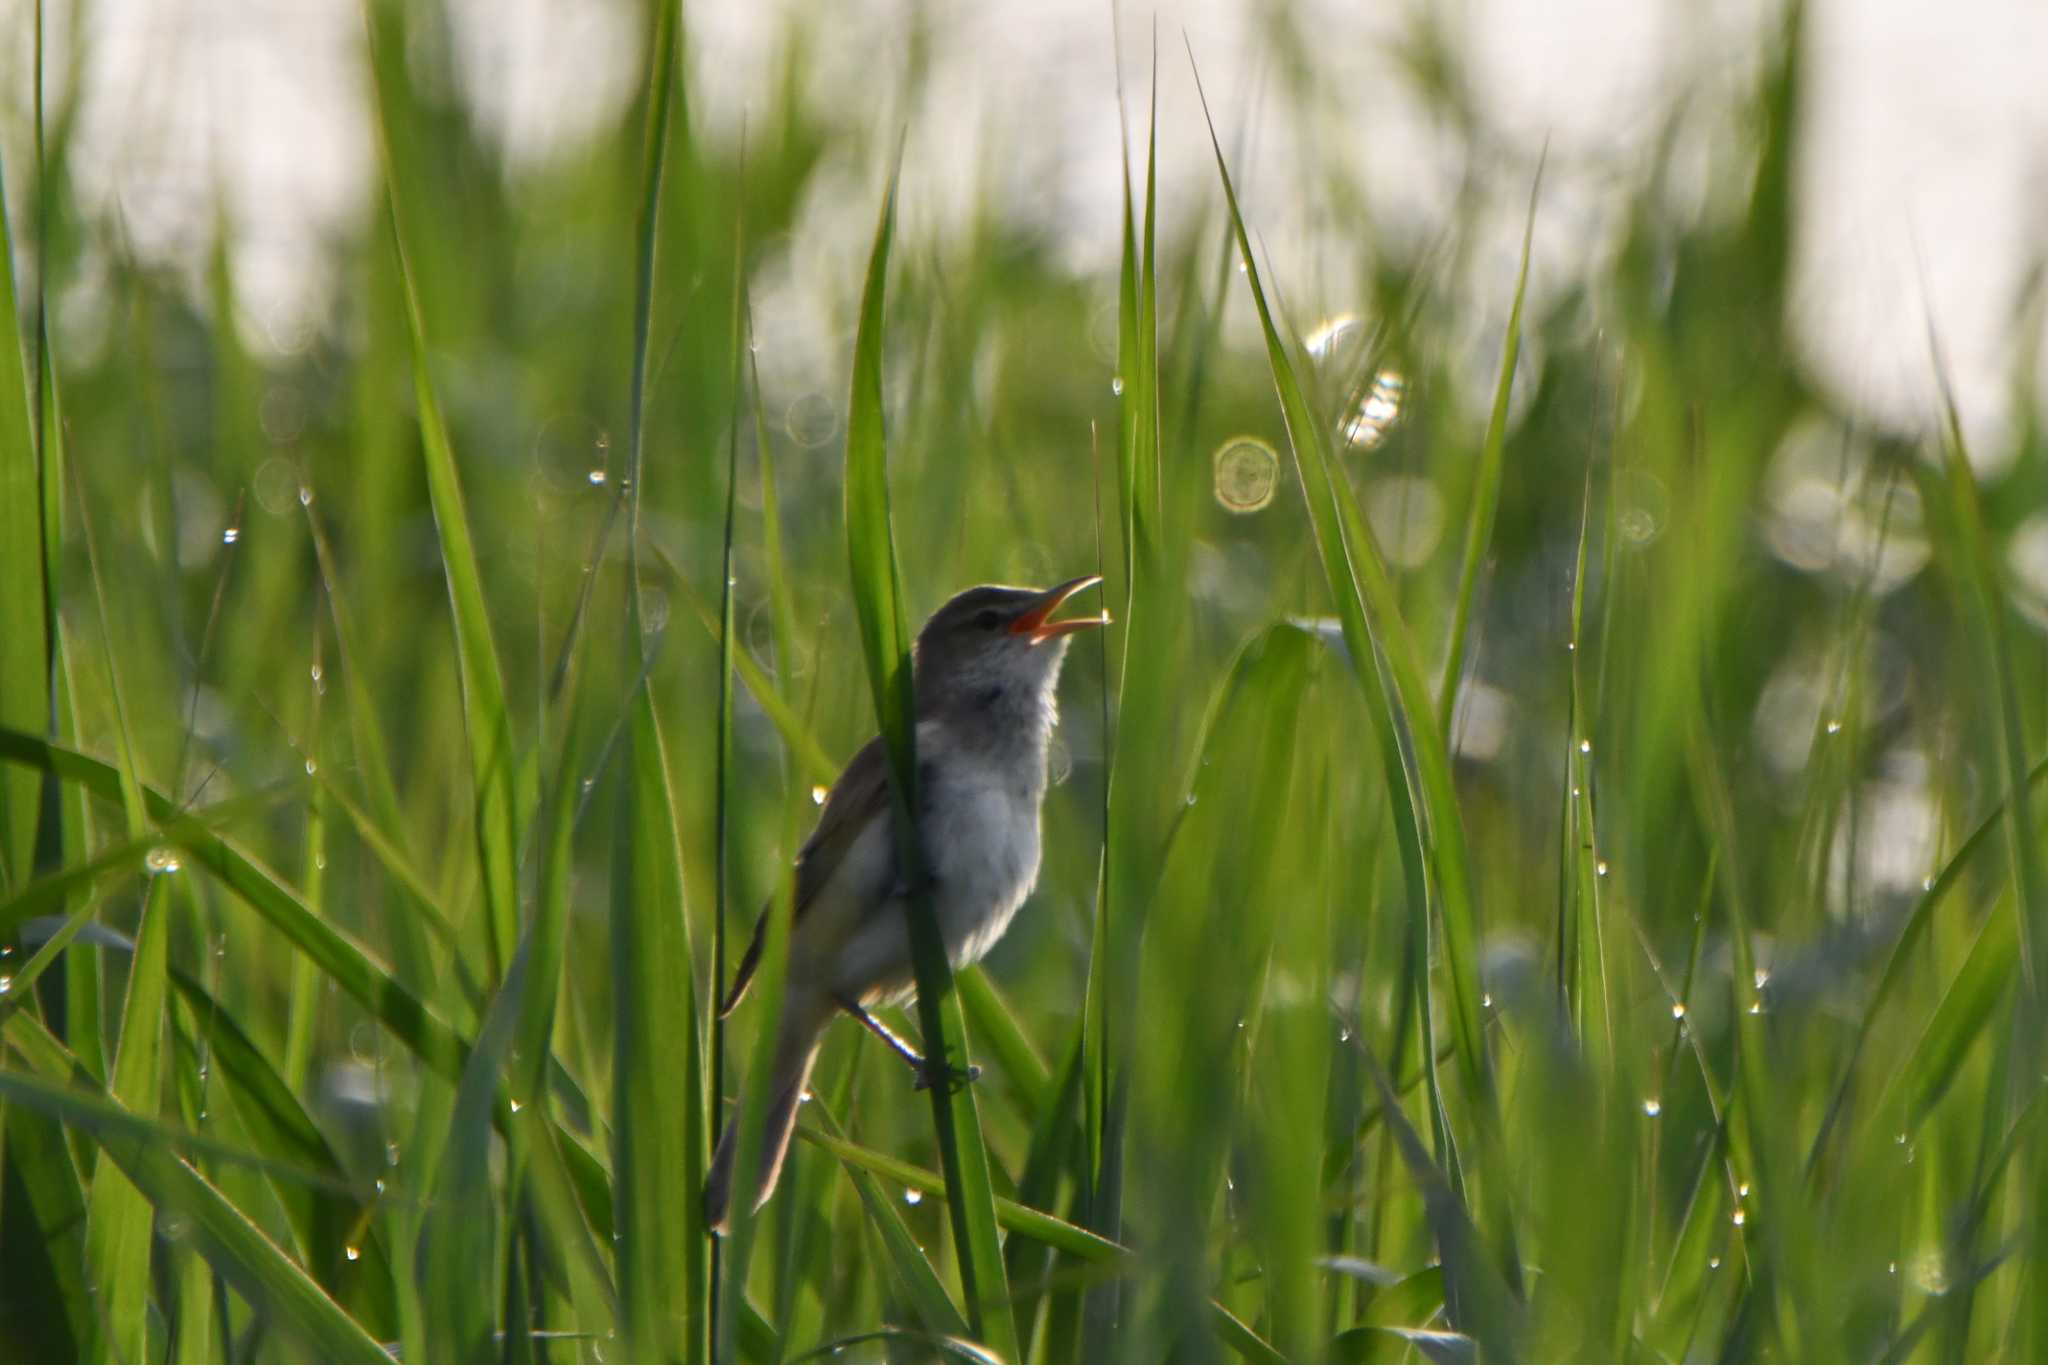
x=1036, y=622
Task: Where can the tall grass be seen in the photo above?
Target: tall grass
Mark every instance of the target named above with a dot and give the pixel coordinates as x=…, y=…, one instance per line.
x=1504, y=903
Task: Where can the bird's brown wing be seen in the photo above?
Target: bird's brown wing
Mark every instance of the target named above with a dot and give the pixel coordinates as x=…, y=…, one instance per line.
x=860, y=795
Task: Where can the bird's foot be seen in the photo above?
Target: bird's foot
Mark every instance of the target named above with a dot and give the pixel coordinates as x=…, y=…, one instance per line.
x=930, y=1073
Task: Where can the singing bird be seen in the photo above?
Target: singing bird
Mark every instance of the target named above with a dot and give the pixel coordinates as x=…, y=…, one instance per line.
x=986, y=666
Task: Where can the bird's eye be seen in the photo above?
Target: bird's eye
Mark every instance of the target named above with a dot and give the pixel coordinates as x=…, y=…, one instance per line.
x=987, y=620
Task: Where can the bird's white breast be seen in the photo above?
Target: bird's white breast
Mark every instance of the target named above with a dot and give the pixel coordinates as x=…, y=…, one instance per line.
x=981, y=839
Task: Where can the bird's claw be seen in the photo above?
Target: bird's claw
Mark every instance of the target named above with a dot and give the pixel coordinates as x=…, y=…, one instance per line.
x=952, y=1078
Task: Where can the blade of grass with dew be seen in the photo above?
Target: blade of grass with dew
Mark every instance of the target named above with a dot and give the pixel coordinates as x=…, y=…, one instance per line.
x=732, y=1255
x=1592, y=1010
x=910, y=1268
x=234, y=1246
x=886, y=635
x=341, y=960
x=118, y=1218
x=1486, y=482
x=1356, y=572
x=461, y=1245
x=24, y=648
x=1972, y=998
x=1905, y=954
x=2029, y=875
x=505, y=792
x=1476, y=1299
x=1134, y=818
x=659, y=1118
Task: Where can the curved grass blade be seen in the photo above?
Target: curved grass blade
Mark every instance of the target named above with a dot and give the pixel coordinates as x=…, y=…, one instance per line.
x=234, y=1246
x=505, y=786
x=659, y=1116
x=886, y=634
x=1486, y=483
x=24, y=644
x=344, y=962
x=1369, y=611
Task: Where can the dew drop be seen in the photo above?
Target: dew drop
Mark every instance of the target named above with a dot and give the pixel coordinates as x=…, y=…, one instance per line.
x=317, y=675
x=1834, y=727
x=162, y=859
x=312, y=766
x=353, y=1253
x=391, y=1154
x=818, y=795
x=1739, y=1217
x=6, y=984
x=1678, y=1009
x=913, y=1197
x=1116, y=385
x=1191, y=798
x=231, y=535
x=305, y=495
x=1742, y=1190
x=1653, y=1107
x=1762, y=978
x=596, y=477
x=1756, y=1007
x=517, y=1106
x=1713, y=1262
x=1486, y=1001
x=1585, y=746
x=1600, y=868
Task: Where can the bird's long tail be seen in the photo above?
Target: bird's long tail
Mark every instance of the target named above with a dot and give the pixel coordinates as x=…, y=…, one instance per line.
x=796, y=1049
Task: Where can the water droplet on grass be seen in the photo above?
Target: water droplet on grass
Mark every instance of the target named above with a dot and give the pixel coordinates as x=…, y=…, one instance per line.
x=1739, y=1217
x=231, y=535
x=1678, y=1009
x=913, y=1197
x=1653, y=1107
x=596, y=477
x=162, y=859
x=818, y=795
x=1116, y=385
x=353, y=1253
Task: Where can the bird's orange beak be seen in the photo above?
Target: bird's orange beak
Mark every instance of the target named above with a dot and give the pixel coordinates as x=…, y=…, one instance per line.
x=1036, y=622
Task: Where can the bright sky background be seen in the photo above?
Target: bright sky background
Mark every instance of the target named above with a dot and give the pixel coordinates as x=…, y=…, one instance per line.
x=1927, y=136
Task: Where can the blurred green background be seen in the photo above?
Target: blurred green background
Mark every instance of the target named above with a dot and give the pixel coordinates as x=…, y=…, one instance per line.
x=1544, y=868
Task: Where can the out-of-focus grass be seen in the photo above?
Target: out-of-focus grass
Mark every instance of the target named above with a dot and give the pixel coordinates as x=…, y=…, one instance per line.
x=1655, y=986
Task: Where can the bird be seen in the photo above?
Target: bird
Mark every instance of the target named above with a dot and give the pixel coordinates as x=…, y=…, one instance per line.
x=985, y=671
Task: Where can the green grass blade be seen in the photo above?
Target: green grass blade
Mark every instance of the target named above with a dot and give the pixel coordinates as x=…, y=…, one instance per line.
x=1486, y=482
x=1357, y=576
x=658, y=1107
x=24, y=646
x=504, y=786
x=351, y=968
x=886, y=635
x=236, y=1248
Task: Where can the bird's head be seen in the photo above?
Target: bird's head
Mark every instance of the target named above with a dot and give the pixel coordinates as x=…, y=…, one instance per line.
x=990, y=644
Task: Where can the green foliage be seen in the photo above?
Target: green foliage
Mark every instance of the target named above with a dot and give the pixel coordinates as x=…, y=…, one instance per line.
x=1587, y=930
